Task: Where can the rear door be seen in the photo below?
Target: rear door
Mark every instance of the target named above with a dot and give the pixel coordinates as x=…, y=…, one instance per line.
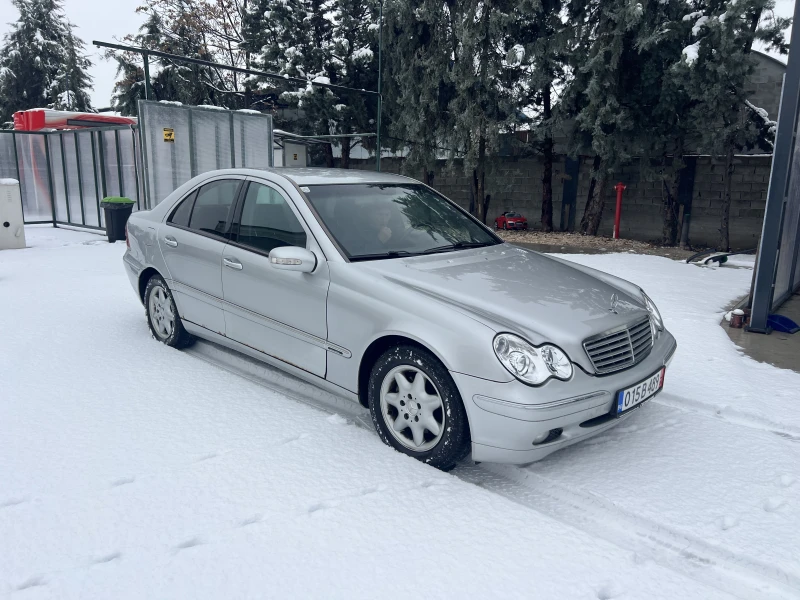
x=192, y=241
x=280, y=313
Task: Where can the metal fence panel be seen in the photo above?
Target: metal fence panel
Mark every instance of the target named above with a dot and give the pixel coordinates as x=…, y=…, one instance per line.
x=37, y=204
x=211, y=140
x=90, y=184
x=128, y=165
x=57, y=176
x=8, y=159
x=252, y=136
x=73, y=183
x=110, y=163
x=179, y=142
x=167, y=162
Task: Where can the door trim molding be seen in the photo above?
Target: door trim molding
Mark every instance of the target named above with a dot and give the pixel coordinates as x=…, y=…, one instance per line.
x=308, y=338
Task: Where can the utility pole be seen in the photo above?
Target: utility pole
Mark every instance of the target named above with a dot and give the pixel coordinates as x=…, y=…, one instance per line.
x=380, y=97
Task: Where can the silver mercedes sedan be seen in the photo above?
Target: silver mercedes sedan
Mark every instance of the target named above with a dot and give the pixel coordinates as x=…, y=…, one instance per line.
x=376, y=287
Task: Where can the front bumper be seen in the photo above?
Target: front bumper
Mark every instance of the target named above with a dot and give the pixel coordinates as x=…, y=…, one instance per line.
x=505, y=418
x=517, y=225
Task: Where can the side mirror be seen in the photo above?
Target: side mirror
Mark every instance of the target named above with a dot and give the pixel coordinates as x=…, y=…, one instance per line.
x=293, y=258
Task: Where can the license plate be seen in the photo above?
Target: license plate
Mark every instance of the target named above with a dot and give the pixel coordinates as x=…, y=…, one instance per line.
x=644, y=390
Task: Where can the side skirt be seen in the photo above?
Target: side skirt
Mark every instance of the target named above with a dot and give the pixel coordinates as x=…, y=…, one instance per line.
x=217, y=353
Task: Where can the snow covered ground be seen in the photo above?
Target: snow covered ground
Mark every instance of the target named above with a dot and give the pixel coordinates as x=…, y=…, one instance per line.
x=131, y=470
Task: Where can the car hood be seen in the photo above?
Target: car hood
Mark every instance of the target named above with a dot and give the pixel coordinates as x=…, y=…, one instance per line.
x=513, y=289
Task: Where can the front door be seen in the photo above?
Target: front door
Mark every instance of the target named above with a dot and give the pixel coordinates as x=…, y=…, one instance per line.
x=280, y=313
x=192, y=241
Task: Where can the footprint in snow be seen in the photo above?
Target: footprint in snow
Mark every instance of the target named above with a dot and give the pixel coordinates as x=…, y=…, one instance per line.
x=107, y=558
x=433, y=483
x=14, y=501
x=190, y=543
x=320, y=508
x=257, y=518
x=373, y=490
x=785, y=480
x=607, y=591
x=122, y=481
x=35, y=581
x=728, y=522
x=774, y=503
x=206, y=457
x=293, y=438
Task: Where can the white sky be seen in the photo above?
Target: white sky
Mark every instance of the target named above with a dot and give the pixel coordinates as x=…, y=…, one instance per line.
x=106, y=20
x=102, y=20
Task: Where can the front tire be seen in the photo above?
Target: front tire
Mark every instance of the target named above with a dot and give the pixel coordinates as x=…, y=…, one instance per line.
x=162, y=315
x=417, y=408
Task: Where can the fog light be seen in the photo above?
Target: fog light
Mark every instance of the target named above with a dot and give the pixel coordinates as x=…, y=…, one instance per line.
x=547, y=437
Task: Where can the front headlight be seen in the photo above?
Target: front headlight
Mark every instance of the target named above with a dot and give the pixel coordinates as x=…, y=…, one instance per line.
x=656, y=321
x=531, y=364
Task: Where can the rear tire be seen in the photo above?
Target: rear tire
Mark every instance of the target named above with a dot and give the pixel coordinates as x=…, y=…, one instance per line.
x=162, y=315
x=416, y=407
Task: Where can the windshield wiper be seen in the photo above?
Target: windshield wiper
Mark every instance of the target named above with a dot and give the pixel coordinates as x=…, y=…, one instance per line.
x=456, y=246
x=380, y=255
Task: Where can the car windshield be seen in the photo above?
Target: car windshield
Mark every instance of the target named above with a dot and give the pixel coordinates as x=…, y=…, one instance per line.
x=378, y=220
x=512, y=215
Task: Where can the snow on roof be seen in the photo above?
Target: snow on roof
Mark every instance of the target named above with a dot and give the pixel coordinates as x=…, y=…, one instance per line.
x=8, y=181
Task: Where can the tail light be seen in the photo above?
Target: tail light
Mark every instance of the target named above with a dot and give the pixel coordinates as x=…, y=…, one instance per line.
x=127, y=239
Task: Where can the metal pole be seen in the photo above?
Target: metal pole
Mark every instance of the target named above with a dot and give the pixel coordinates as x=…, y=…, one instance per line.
x=192, y=154
x=380, y=97
x=146, y=60
x=233, y=141
x=19, y=177
x=94, y=174
x=148, y=196
x=764, y=288
x=207, y=63
x=66, y=181
x=80, y=176
x=135, y=168
x=101, y=146
x=50, y=177
x=119, y=163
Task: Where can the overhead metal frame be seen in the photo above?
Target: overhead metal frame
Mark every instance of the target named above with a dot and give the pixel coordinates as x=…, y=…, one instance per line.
x=146, y=53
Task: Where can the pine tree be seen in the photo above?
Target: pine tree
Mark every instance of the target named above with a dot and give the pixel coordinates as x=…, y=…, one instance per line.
x=482, y=106
x=324, y=41
x=42, y=62
x=716, y=68
x=204, y=29
x=606, y=65
x=541, y=36
x=418, y=87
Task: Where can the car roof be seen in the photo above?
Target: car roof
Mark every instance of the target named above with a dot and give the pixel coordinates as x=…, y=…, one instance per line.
x=322, y=175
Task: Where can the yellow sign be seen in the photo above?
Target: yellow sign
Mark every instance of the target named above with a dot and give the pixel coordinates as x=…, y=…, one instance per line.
x=295, y=156
x=169, y=134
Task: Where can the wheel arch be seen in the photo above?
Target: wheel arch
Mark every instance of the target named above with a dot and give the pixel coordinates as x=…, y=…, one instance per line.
x=376, y=348
x=144, y=277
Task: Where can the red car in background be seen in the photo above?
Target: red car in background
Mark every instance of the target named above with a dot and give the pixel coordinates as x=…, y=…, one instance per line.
x=511, y=220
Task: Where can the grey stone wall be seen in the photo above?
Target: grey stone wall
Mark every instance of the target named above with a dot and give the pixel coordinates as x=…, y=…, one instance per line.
x=516, y=183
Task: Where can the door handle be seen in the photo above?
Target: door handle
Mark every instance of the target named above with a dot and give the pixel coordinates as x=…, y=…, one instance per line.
x=232, y=263
x=171, y=241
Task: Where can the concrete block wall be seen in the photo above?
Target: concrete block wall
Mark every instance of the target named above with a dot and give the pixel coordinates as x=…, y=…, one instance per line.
x=516, y=184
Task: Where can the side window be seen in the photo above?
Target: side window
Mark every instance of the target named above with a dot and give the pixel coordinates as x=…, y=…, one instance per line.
x=180, y=216
x=267, y=220
x=213, y=206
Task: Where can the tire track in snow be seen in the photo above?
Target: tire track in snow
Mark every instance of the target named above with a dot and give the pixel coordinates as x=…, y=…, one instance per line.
x=693, y=558
x=731, y=415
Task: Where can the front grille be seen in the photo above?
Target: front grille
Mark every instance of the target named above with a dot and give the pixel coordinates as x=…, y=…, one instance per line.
x=620, y=348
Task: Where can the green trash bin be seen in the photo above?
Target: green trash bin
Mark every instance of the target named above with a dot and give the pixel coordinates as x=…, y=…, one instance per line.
x=117, y=210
